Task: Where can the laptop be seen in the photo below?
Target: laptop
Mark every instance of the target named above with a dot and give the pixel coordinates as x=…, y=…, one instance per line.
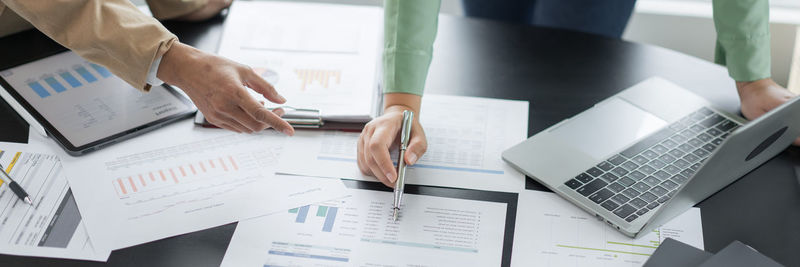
x=649, y=153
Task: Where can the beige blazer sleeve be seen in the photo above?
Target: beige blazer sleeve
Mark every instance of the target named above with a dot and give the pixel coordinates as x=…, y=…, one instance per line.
x=113, y=33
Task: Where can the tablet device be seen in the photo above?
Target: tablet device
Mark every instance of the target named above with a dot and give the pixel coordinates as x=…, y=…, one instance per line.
x=83, y=106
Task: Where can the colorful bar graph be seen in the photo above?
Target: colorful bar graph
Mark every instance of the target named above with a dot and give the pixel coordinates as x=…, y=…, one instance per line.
x=55, y=84
x=86, y=74
x=323, y=77
x=321, y=211
x=133, y=185
x=39, y=89
x=103, y=71
x=328, y=225
x=171, y=176
x=302, y=214
x=71, y=80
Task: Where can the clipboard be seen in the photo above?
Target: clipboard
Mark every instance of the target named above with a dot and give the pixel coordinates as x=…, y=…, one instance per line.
x=301, y=118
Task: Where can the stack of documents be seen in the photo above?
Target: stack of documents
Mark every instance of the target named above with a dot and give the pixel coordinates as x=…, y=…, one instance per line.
x=206, y=178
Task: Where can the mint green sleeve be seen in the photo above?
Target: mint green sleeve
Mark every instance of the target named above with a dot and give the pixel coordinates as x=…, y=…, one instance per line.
x=409, y=31
x=743, y=42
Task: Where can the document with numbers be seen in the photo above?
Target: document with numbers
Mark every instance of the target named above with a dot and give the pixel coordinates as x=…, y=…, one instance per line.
x=466, y=137
x=437, y=227
x=182, y=179
x=52, y=227
x=553, y=232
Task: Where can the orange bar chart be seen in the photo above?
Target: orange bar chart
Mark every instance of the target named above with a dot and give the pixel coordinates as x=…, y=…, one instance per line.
x=322, y=77
x=126, y=186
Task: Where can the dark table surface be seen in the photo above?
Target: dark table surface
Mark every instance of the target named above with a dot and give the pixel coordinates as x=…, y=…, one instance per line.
x=560, y=73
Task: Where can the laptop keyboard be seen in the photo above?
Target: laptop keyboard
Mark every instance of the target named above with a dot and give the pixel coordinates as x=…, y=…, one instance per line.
x=647, y=174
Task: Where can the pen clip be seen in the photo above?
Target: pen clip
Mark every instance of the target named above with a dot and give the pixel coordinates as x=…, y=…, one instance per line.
x=405, y=132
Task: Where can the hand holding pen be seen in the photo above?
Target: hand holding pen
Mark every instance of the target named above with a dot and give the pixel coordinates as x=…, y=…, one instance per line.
x=380, y=136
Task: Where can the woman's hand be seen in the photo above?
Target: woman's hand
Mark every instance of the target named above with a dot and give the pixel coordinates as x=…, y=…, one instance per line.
x=218, y=87
x=382, y=134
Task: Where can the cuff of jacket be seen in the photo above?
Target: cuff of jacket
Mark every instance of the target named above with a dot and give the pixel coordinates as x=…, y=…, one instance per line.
x=150, y=78
x=170, y=9
x=405, y=71
x=747, y=59
x=141, y=80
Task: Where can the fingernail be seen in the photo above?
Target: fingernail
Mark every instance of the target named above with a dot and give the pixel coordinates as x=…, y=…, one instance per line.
x=390, y=176
x=281, y=98
x=412, y=158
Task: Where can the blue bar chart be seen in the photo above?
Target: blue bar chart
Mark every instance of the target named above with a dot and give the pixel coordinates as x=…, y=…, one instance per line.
x=71, y=80
x=39, y=89
x=103, y=71
x=326, y=212
x=302, y=214
x=85, y=74
x=55, y=84
x=50, y=84
x=329, y=219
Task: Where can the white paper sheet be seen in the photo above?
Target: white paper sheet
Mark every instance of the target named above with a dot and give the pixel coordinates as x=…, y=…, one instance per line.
x=359, y=231
x=182, y=179
x=551, y=231
x=318, y=56
x=466, y=137
x=52, y=227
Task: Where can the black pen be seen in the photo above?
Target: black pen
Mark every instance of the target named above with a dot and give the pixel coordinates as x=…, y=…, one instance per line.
x=21, y=194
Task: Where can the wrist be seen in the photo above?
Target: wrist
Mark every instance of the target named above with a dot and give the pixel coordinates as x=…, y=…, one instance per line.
x=744, y=88
x=401, y=101
x=178, y=55
x=398, y=108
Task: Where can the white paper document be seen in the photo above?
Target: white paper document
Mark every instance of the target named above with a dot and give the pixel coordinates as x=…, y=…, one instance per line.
x=318, y=56
x=182, y=179
x=466, y=137
x=551, y=231
x=359, y=231
x=52, y=227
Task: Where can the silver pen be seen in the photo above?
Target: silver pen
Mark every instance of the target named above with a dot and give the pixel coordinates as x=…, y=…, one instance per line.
x=14, y=186
x=405, y=135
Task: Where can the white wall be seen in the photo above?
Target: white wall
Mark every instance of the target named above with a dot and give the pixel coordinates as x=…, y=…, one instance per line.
x=690, y=35
x=696, y=36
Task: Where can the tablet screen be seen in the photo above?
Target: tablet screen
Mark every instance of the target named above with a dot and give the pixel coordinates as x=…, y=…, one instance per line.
x=84, y=102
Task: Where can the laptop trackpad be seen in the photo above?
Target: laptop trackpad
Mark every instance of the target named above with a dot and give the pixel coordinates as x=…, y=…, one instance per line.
x=608, y=128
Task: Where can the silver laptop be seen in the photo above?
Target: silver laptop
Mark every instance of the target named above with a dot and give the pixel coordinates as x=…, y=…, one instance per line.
x=650, y=152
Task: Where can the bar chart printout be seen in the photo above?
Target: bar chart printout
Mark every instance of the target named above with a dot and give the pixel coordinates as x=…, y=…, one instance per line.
x=556, y=233
x=323, y=79
x=132, y=193
x=58, y=230
x=325, y=213
x=177, y=174
x=359, y=231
